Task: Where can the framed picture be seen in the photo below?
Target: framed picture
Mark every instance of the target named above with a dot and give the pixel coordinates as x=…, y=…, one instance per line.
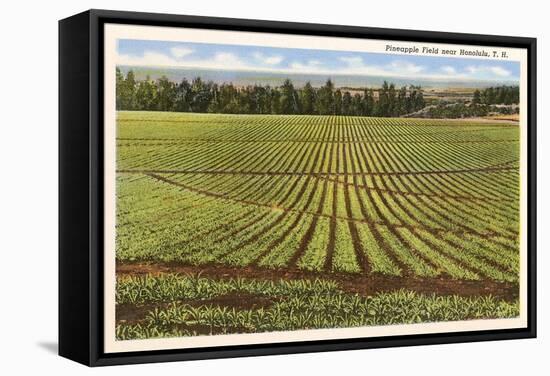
x=239, y=187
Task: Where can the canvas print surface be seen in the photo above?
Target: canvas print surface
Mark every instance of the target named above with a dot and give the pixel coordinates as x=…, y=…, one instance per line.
x=262, y=189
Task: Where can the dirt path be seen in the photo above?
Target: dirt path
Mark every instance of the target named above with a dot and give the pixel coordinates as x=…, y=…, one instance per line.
x=321, y=174
x=357, y=283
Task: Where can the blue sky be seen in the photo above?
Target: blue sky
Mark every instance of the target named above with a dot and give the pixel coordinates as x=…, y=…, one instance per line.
x=293, y=60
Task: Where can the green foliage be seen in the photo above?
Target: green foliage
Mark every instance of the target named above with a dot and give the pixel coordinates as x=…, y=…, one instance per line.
x=476, y=100
x=462, y=110
x=493, y=100
x=172, y=287
x=499, y=95
x=289, y=98
x=201, y=97
x=246, y=190
x=125, y=90
x=415, y=198
x=306, y=305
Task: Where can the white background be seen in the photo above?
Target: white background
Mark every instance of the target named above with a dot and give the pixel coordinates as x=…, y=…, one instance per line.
x=28, y=186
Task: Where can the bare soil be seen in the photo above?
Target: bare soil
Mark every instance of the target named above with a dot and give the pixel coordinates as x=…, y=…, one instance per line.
x=134, y=313
x=355, y=283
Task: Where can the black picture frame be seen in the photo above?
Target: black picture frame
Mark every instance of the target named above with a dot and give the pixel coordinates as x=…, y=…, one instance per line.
x=81, y=181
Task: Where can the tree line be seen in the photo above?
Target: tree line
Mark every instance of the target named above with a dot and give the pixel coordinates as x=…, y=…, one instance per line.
x=497, y=95
x=461, y=110
x=199, y=95
x=501, y=100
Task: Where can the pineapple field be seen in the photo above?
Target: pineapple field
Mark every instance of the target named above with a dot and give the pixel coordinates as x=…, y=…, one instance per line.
x=374, y=205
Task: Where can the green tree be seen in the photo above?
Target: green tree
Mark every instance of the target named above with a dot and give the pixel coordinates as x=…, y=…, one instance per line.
x=183, y=96
x=476, y=99
x=146, y=95
x=201, y=95
x=263, y=102
x=275, y=102
x=401, y=107
x=416, y=98
x=166, y=94
x=125, y=90
x=383, y=100
x=246, y=100
x=392, y=101
x=337, y=102
x=368, y=103
x=346, y=104
x=325, y=99
x=120, y=95
x=307, y=99
x=357, y=104
x=288, y=99
x=227, y=99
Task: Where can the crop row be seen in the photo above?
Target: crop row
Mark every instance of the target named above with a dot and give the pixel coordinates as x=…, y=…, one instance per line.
x=337, y=204
x=198, y=127
x=306, y=305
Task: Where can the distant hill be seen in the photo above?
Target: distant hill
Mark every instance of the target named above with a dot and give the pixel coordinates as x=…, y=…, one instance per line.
x=244, y=78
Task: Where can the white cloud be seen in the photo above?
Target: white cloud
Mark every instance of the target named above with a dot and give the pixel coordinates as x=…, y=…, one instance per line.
x=314, y=63
x=180, y=52
x=499, y=71
x=221, y=60
x=149, y=58
x=406, y=67
x=226, y=60
x=447, y=69
x=352, y=61
x=397, y=68
x=267, y=60
x=492, y=70
x=179, y=57
x=298, y=67
x=309, y=67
